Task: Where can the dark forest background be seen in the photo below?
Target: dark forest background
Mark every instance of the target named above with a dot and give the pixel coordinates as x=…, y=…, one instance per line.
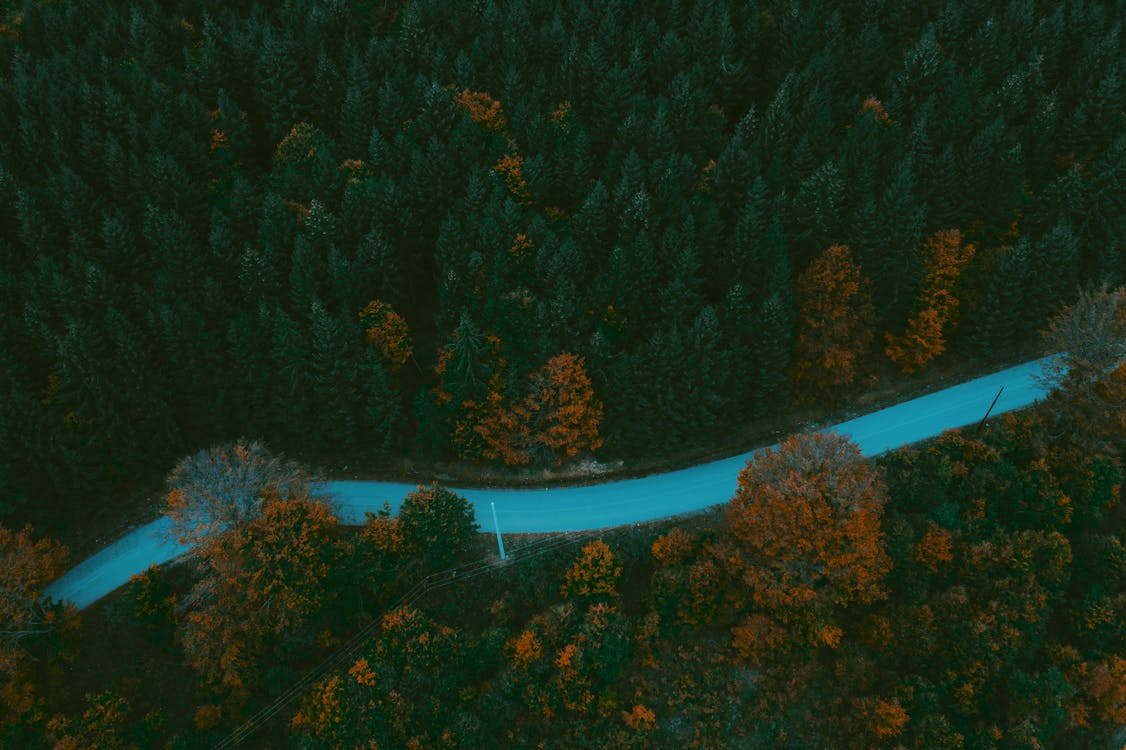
x=198, y=199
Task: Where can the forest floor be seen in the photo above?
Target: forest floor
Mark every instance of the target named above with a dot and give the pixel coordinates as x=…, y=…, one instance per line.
x=98, y=524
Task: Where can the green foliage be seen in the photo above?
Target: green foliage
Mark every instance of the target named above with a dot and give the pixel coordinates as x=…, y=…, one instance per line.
x=437, y=523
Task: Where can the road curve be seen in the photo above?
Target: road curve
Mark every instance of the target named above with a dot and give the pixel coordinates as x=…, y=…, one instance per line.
x=612, y=503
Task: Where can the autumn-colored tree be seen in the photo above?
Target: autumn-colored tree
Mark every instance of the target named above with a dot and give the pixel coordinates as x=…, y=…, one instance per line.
x=560, y=409
x=882, y=718
x=1104, y=686
x=28, y=565
x=595, y=574
x=873, y=105
x=403, y=691
x=222, y=487
x=934, y=548
x=501, y=430
x=524, y=650
x=674, y=547
x=558, y=416
x=326, y=714
x=807, y=515
x=511, y=168
x=383, y=533
x=101, y=726
x=945, y=258
x=639, y=718
x=302, y=147
x=436, y=523
x=386, y=331
x=482, y=109
x=835, y=322
x=259, y=580
x=758, y=636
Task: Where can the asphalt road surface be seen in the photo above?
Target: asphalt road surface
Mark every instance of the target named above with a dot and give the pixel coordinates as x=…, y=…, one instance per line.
x=613, y=503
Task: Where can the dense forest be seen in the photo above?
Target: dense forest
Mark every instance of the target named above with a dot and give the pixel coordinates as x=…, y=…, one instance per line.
x=964, y=594
x=520, y=231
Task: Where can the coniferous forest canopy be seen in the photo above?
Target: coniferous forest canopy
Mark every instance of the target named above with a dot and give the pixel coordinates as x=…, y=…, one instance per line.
x=521, y=233
x=381, y=228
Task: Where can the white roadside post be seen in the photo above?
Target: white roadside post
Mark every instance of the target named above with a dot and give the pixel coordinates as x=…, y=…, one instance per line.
x=496, y=527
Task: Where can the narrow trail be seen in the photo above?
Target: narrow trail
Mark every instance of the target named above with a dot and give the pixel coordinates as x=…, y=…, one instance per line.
x=613, y=503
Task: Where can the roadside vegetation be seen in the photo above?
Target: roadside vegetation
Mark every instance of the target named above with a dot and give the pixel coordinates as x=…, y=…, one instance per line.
x=969, y=592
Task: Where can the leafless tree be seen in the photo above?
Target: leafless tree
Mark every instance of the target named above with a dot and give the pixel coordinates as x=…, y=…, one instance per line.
x=224, y=485
x=1091, y=335
x=1088, y=377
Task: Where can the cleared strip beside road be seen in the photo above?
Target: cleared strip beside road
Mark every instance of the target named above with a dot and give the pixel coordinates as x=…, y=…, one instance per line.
x=612, y=503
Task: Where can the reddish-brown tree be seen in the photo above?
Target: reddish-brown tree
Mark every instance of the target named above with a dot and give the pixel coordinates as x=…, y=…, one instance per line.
x=28, y=565
x=674, y=547
x=935, y=547
x=482, y=109
x=259, y=580
x=835, y=322
x=387, y=331
x=101, y=726
x=562, y=413
x=524, y=650
x=595, y=573
x=558, y=416
x=511, y=168
x=807, y=515
x=945, y=258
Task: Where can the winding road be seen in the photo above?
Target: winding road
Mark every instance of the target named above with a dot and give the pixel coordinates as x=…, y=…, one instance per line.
x=613, y=503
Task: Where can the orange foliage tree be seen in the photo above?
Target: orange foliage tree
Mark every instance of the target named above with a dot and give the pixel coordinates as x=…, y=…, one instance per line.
x=594, y=574
x=674, y=547
x=935, y=548
x=563, y=414
x=482, y=109
x=259, y=580
x=808, y=517
x=28, y=566
x=511, y=168
x=387, y=331
x=835, y=321
x=102, y=725
x=558, y=416
x=882, y=718
x=399, y=693
x=1105, y=688
x=945, y=258
x=524, y=650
